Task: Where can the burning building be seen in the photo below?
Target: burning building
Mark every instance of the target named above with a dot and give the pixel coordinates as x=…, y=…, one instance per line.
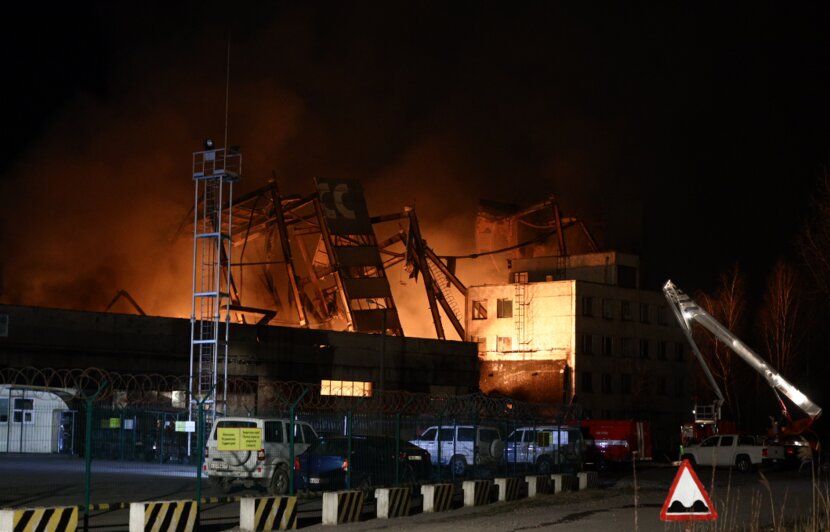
x=579, y=329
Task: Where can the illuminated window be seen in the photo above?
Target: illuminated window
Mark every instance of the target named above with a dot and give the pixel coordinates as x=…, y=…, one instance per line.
x=24, y=411
x=504, y=308
x=346, y=388
x=505, y=343
x=480, y=310
x=520, y=277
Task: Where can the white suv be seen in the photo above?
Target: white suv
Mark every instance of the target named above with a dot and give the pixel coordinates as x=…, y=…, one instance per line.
x=545, y=447
x=453, y=445
x=255, y=451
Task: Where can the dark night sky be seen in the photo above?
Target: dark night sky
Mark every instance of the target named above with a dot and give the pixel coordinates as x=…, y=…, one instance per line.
x=695, y=133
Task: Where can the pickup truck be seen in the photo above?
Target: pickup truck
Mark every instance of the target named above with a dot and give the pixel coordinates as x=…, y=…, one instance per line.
x=733, y=450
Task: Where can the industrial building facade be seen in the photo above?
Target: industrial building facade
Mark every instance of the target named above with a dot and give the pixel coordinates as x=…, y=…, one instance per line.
x=46, y=338
x=579, y=329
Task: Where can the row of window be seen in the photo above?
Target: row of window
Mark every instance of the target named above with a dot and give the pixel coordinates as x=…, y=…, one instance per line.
x=621, y=383
x=504, y=309
x=611, y=309
x=628, y=347
x=504, y=344
x=23, y=411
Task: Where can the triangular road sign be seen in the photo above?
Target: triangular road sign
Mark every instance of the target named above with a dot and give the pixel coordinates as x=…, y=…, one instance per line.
x=687, y=500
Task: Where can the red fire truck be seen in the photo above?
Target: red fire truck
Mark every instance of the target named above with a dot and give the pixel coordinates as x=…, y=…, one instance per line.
x=618, y=440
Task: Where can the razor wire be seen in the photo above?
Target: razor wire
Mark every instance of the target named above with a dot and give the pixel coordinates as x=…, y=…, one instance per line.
x=126, y=389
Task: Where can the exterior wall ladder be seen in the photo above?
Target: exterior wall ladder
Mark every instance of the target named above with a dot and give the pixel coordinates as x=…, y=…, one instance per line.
x=520, y=304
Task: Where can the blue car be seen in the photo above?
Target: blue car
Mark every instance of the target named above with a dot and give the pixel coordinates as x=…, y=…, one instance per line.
x=373, y=461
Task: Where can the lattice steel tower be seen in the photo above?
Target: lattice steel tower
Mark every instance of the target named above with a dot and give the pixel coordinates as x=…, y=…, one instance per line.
x=214, y=173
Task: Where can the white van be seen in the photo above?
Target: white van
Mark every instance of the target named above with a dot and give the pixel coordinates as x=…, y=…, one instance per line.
x=255, y=451
x=454, y=445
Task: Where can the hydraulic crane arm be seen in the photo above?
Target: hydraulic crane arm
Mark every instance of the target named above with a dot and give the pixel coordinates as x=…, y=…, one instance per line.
x=687, y=311
x=677, y=301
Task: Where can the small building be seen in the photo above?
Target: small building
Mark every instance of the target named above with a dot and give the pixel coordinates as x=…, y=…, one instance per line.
x=35, y=420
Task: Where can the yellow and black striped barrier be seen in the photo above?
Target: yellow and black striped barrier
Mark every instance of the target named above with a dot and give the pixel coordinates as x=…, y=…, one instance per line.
x=46, y=519
x=508, y=488
x=538, y=484
x=267, y=513
x=437, y=497
x=587, y=479
x=163, y=516
x=563, y=482
x=476, y=492
x=393, y=502
x=342, y=506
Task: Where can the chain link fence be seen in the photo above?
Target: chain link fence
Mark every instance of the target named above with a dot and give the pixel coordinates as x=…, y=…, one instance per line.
x=94, y=439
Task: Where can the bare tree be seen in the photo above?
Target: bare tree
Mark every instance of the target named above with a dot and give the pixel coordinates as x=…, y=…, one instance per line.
x=728, y=306
x=780, y=317
x=814, y=240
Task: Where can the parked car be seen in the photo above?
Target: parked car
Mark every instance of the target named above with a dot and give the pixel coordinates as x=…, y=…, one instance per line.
x=733, y=450
x=546, y=448
x=254, y=451
x=797, y=449
x=463, y=446
x=373, y=462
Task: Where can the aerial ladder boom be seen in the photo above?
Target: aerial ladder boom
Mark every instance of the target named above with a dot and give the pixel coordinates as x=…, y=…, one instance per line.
x=687, y=311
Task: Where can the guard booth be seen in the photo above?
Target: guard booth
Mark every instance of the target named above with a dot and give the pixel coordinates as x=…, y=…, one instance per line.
x=36, y=419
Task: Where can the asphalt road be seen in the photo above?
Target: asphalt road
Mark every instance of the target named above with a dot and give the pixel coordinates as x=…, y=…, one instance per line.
x=622, y=501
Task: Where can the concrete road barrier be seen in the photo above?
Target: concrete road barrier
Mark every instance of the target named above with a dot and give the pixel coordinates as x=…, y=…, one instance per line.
x=538, y=484
x=563, y=482
x=267, y=513
x=437, y=497
x=508, y=488
x=47, y=519
x=163, y=516
x=342, y=507
x=476, y=492
x=393, y=502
